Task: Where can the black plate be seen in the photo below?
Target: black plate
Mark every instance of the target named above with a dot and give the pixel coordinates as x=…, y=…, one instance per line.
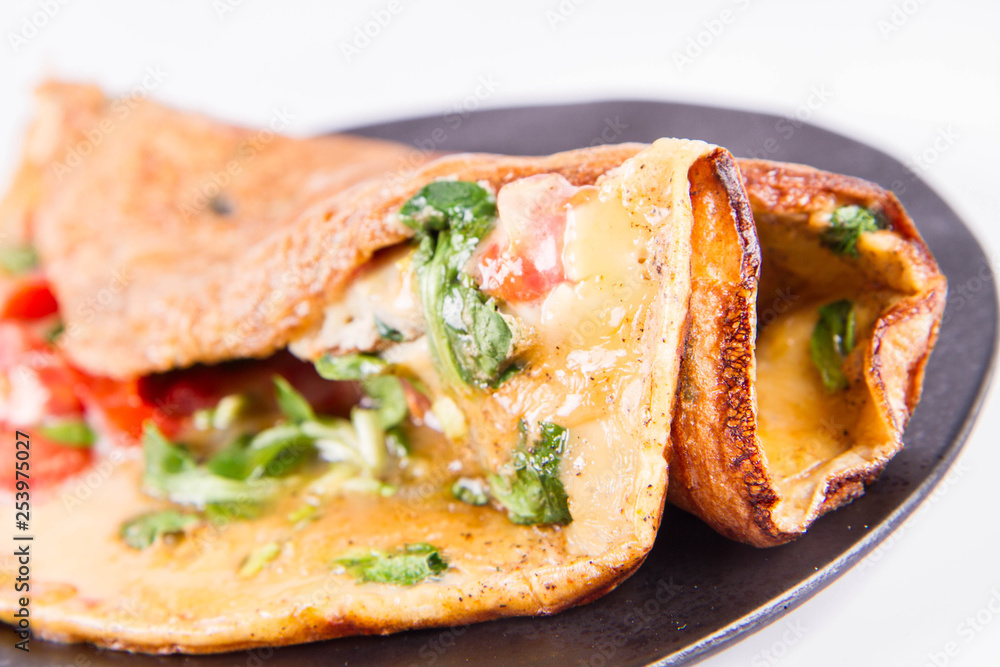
x=697, y=591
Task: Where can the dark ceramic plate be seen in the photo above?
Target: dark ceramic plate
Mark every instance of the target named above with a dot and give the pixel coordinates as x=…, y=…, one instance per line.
x=697, y=591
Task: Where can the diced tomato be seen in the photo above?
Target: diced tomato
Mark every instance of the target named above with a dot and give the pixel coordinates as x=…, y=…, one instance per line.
x=31, y=299
x=121, y=406
x=522, y=259
x=37, y=381
x=49, y=461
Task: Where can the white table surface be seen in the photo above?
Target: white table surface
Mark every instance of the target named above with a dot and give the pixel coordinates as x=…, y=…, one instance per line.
x=897, y=73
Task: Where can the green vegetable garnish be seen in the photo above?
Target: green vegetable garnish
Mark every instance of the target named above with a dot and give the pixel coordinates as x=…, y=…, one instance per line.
x=242, y=475
x=533, y=492
x=832, y=340
x=387, y=332
x=225, y=413
x=847, y=224
x=219, y=514
x=142, y=531
x=293, y=405
x=468, y=337
x=303, y=514
x=258, y=558
x=16, y=260
x=350, y=366
x=52, y=337
x=172, y=473
x=403, y=567
x=385, y=391
x=68, y=432
x=470, y=491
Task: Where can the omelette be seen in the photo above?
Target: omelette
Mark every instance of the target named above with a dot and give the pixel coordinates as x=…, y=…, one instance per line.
x=343, y=391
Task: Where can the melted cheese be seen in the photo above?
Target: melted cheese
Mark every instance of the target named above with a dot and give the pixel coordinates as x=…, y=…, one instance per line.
x=804, y=430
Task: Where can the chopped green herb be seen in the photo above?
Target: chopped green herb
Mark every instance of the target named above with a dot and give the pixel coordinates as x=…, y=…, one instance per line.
x=258, y=558
x=385, y=391
x=369, y=485
x=293, y=405
x=172, y=473
x=143, y=531
x=402, y=567
x=832, y=340
x=219, y=514
x=278, y=450
x=68, y=432
x=244, y=473
x=349, y=366
x=224, y=415
x=444, y=204
x=397, y=443
x=847, y=224
x=370, y=438
x=533, y=492
x=470, y=491
x=54, y=333
x=468, y=337
x=387, y=332
x=16, y=260
x=304, y=513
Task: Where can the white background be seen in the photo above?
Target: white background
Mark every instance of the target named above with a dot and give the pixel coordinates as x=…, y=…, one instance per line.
x=900, y=72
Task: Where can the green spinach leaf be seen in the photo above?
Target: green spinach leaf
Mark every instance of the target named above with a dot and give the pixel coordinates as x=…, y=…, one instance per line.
x=847, y=224
x=832, y=340
x=407, y=566
x=143, y=531
x=533, y=493
x=469, y=338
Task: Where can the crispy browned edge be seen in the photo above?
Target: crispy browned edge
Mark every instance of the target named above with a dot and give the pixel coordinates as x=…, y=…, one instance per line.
x=719, y=471
x=716, y=467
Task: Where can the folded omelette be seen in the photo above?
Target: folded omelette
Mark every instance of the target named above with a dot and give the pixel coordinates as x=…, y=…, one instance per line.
x=286, y=390
x=439, y=395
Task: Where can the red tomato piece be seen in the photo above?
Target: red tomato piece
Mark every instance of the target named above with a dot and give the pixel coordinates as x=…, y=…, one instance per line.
x=31, y=299
x=49, y=461
x=522, y=259
x=122, y=406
